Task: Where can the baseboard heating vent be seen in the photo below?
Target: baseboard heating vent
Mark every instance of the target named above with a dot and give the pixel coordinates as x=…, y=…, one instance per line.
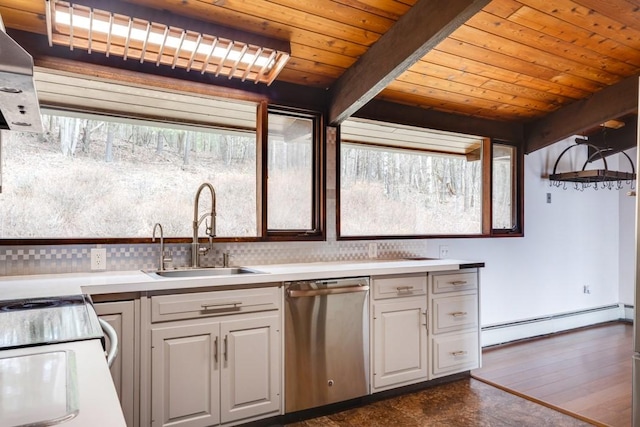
x=529, y=328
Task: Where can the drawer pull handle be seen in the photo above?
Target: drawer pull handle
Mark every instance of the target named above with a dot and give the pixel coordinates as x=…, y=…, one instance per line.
x=220, y=305
x=458, y=313
x=215, y=350
x=225, y=348
x=458, y=282
x=458, y=353
x=404, y=288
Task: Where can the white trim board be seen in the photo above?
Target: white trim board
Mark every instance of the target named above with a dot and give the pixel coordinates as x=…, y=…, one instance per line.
x=514, y=331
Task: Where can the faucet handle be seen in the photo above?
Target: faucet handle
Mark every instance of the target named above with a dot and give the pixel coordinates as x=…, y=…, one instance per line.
x=208, y=228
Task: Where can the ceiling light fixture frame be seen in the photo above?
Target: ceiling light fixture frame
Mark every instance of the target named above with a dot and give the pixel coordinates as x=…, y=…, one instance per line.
x=137, y=33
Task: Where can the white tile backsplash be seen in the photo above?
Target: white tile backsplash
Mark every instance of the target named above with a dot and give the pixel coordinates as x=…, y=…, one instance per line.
x=22, y=260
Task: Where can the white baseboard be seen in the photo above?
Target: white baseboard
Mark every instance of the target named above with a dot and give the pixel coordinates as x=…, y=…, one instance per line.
x=514, y=331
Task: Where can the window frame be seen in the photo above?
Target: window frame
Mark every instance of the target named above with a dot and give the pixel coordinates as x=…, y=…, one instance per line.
x=318, y=219
x=263, y=108
x=487, y=194
x=517, y=197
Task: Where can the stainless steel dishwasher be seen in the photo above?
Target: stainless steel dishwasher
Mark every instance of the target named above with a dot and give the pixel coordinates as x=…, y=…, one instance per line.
x=326, y=342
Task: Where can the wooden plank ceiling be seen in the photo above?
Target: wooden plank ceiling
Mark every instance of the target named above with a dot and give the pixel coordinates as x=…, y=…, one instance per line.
x=535, y=63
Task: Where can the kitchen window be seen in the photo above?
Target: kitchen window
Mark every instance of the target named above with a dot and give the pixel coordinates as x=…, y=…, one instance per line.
x=87, y=177
x=504, y=181
x=98, y=178
x=398, y=181
x=293, y=174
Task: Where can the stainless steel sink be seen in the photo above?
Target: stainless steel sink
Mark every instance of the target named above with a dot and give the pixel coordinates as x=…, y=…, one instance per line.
x=201, y=272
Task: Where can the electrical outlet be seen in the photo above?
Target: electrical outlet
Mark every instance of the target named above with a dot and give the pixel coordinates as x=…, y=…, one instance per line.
x=548, y=197
x=99, y=259
x=586, y=289
x=373, y=250
x=444, y=251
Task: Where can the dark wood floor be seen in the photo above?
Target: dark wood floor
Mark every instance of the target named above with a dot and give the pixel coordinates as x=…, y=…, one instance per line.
x=585, y=372
x=462, y=403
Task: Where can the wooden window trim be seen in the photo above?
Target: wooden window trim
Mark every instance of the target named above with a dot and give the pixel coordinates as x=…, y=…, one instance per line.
x=263, y=234
x=518, y=180
x=318, y=220
x=487, y=193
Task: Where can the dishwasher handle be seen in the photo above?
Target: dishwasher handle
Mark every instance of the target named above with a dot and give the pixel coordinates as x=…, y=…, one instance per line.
x=295, y=293
x=113, y=339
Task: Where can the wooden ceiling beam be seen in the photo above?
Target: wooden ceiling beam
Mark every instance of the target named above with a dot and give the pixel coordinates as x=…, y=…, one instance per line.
x=391, y=112
x=418, y=31
x=610, y=103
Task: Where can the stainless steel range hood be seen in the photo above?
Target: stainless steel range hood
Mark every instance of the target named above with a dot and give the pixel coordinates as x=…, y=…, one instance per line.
x=19, y=108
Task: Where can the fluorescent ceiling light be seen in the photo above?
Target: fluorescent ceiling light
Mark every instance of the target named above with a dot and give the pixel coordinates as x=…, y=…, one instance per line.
x=82, y=27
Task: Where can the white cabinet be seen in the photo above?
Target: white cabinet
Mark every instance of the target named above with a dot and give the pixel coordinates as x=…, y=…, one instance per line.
x=399, y=331
x=455, y=353
x=454, y=322
x=216, y=367
x=121, y=315
x=185, y=375
x=250, y=377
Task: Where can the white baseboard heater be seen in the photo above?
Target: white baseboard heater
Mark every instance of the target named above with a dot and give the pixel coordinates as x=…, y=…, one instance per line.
x=513, y=331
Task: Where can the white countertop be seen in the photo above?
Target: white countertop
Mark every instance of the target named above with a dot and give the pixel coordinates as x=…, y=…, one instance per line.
x=97, y=399
x=16, y=287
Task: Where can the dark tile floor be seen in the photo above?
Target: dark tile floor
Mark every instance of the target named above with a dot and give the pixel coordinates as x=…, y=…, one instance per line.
x=465, y=402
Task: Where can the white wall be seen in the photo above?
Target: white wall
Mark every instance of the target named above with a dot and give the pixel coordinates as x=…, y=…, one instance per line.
x=570, y=243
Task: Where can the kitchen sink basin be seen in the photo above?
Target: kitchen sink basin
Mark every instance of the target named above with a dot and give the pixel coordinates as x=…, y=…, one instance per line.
x=201, y=272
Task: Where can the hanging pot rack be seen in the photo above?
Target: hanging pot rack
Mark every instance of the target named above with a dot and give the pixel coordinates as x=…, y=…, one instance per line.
x=586, y=178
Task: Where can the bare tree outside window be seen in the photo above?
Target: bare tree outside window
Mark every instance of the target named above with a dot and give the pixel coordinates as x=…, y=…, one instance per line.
x=503, y=182
x=396, y=192
x=290, y=181
x=87, y=178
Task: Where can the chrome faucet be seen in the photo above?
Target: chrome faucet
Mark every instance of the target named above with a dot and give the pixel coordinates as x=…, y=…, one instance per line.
x=210, y=229
x=162, y=259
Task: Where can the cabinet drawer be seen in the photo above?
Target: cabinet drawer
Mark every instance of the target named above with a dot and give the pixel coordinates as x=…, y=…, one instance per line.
x=399, y=286
x=455, y=353
x=455, y=313
x=216, y=303
x=452, y=282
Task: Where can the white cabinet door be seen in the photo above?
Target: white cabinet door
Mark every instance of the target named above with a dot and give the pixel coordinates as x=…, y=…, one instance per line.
x=455, y=353
x=185, y=375
x=455, y=313
x=250, y=376
x=400, y=342
x=121, y=316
